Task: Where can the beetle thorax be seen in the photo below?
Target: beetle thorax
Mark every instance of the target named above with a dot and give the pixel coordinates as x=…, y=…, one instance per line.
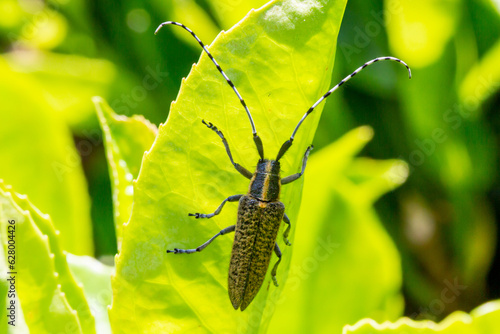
x=266, y=181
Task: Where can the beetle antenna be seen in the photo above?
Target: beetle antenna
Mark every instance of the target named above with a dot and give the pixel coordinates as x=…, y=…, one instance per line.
x=288, y=143
x=256, y=138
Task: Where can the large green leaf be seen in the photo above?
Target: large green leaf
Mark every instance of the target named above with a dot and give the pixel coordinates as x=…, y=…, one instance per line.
x=40, y=159
x=280, y=58
x=339, y=242
x=126, y=140
x=483, y=320
x=46, y=293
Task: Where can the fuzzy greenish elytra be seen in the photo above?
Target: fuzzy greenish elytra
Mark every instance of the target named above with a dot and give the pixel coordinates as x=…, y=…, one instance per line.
x=260, y=211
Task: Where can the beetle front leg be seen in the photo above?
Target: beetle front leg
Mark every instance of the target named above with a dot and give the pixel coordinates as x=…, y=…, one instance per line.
x=294, y=177
x=287, y=231
x=202, y=247
x=243, y=171
x=277, y=251
x=233, y=198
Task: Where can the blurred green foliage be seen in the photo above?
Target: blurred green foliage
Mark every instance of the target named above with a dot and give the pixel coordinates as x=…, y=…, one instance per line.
x=444, y=123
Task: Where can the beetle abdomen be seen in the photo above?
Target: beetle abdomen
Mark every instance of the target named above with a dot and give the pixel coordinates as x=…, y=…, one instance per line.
x=255, y=236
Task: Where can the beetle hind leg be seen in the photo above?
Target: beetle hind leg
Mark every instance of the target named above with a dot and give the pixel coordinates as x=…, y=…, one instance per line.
x=277, y=251
x=287, y=231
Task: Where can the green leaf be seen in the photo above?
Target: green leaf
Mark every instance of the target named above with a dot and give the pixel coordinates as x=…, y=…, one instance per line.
x=280, y=58
x=483, y=320
x=71, y=289
x=96, y=280
x=339, y=242
x=126, y=140
x=40, y=159
x=44, y=293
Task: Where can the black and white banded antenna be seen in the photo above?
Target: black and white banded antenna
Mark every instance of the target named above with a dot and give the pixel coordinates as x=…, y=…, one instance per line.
x=256, y=138
x=288, y=143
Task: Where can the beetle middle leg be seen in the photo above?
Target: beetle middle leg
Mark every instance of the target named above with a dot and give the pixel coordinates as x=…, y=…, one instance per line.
x=294, y=177
x=234, y=198
x=202, y=247
x=243, y=171
x=277, y=251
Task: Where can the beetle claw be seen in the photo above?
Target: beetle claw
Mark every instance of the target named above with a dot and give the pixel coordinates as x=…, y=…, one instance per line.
x=275, y=281
x=209, y=124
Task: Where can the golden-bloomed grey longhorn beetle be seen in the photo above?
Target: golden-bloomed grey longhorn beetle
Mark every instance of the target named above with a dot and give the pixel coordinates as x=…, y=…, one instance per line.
x=259, y=212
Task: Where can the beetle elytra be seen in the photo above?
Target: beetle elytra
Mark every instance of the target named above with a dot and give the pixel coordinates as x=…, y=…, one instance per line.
x=260, y=211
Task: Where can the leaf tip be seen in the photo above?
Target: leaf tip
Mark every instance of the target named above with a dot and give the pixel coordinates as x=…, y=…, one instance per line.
x=398, y=172
x=97, y=99
x=365, y=132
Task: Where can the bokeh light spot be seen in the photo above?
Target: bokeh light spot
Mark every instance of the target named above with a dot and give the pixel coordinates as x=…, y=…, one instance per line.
x=138, y=20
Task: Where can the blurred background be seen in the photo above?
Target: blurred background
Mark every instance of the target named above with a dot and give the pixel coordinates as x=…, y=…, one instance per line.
x=56, y=55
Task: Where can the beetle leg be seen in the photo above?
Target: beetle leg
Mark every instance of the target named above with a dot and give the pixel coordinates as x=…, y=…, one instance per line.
x=287, y=231
x=294, y=177
x=233, y=198
x=273, y=272
x=200, y=248
x=243, y=171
